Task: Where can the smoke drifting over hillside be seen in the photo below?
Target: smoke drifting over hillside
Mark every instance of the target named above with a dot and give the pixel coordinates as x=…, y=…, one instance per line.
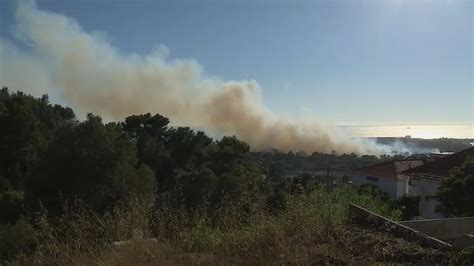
x=88, y=73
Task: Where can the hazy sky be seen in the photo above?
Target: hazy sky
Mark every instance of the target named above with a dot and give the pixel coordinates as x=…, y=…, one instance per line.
x=357, y=62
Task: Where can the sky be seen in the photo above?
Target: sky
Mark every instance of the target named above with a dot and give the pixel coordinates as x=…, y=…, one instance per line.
x=345, y=62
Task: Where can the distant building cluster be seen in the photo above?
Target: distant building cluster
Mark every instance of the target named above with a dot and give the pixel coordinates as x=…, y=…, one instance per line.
x=417, y=175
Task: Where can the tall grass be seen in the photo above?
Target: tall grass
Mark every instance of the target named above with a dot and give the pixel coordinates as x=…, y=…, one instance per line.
x=81, y=235
x=233, y=233
x=307, y=218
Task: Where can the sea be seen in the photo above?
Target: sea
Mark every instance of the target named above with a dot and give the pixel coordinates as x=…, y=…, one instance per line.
x=459, y=131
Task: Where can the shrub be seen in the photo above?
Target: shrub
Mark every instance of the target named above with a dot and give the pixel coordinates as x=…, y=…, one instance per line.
x=232, y=230
x=83, y=232
x=307, y=218
x=15, y=239
x=11, y=206
x=409, y=205
x=373, y=191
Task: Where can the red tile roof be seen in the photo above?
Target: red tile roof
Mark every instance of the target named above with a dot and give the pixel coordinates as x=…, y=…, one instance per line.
x=440, y=169
x=390, y=169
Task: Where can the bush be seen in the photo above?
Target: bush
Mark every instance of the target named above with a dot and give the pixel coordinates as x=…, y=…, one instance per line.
x=374, y=191
x=81, y=231
x=15, y=239
x=409, y=205
x=11, y=206
x=307, y=218
x=83, y=236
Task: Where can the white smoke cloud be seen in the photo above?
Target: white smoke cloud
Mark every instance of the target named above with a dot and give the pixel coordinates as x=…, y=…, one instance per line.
x=91, y=75
x=399, y=147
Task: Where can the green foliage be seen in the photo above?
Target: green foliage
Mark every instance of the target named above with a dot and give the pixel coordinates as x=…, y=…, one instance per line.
x=307, y=218
x=302, y=184
x=198, y=194
x=190, y=169
x=11, y=205
x=374, y=191
x=236, y=182
x=53, y=157
x=80, y=232
x=281, y=163
x=455, y=192
x=28, y=124
x=18, y=238
x=409, y=205
x=277, y=193
x=196, y=187
x=92, y=161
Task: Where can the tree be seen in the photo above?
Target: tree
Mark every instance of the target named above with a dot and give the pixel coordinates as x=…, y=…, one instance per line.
x=196, y=187
x=11, y=206
x=224, y=154
x=456, y=193
x=239, y=186
x=277, y=191
x=167, y=151
x=92, y=161
x=28, y=124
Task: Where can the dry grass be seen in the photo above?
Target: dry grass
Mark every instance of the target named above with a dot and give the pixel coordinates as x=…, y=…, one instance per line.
x=306, y=231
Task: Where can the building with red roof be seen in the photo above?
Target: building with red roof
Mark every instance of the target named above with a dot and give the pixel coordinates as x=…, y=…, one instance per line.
x=416, y=176
x=425, y=179
x=387, y=176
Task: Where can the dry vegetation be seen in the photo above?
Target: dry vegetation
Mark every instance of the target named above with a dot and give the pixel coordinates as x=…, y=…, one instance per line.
x=312, y=229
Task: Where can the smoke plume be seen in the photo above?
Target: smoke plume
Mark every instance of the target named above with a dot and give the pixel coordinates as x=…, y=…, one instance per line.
x=85, y=71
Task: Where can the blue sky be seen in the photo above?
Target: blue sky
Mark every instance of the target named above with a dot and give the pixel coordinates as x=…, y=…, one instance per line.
x=349, y=62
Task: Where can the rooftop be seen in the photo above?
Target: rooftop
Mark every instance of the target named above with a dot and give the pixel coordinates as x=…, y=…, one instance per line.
x=440, y=169
x=390, y=169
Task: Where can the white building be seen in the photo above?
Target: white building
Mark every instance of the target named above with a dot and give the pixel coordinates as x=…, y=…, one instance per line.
x=387, y=176
x=425, y=179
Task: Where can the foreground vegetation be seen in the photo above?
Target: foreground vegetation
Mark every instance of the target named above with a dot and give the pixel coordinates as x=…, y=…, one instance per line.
x=70, y=189
x=307, y=227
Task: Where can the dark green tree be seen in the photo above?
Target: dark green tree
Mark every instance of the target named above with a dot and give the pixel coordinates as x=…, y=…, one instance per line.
x=277, y=190
x=196, y=187
x=92, y=161
x=456, y=194
x=28, y=124
x=224, y=154
x=167, y=151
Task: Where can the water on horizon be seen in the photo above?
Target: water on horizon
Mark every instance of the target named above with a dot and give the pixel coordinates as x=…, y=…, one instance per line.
x=415, y=131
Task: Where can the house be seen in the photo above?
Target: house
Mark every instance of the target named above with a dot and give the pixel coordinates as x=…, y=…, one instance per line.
x=387, y=176
x=424, y=180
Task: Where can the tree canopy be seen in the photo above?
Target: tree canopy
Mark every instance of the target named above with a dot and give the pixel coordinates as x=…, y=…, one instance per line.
x=456, y=194
x=48, y=156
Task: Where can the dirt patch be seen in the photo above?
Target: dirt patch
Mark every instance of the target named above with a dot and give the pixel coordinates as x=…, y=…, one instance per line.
x=382, y=245
x=354, y=244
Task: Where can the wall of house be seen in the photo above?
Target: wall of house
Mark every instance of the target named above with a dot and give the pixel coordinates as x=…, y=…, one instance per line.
x=359, y=214
x=402, y=185
x=444, y=229
x=388, y=186
x=425, y=188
